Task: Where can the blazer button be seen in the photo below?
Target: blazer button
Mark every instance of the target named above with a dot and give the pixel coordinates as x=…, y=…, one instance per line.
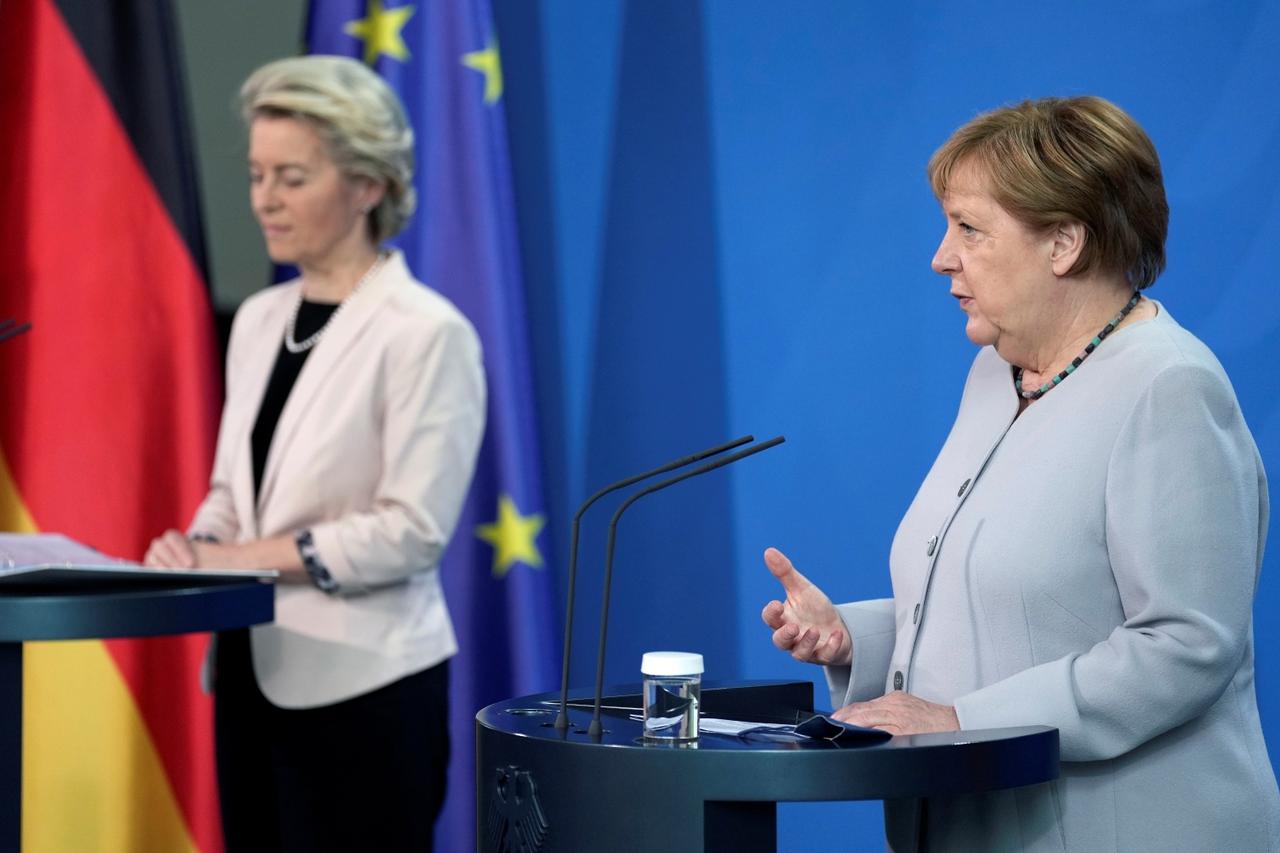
x=963, y=486
x=897, y=680
x=933, y=543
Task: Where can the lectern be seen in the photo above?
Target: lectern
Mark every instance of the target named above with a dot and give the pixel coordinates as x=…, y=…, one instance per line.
x=543, y=790
x=65, y=608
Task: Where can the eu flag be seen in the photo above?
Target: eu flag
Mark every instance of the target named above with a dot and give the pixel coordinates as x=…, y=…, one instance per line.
x=442, y=58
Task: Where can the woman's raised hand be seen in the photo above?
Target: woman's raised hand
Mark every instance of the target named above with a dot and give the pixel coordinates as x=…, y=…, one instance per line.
x=806, y=625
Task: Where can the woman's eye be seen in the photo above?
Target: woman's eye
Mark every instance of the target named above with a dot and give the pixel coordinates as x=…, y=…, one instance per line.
x=967, y=229
x=255, y=178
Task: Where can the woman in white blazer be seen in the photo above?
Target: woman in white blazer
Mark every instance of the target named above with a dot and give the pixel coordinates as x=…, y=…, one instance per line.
x=1084, y=552
x=354, y=411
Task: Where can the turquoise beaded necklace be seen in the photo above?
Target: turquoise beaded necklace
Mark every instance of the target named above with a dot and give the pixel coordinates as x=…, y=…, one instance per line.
x=1075, y=362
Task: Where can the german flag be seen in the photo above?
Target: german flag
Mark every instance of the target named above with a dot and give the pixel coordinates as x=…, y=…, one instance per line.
x=109, y=404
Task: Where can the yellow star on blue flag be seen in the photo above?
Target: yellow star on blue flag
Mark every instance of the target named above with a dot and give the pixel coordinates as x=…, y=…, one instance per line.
x=513, y=537
x=497, y=571
x=488, y=63
x=380, y=30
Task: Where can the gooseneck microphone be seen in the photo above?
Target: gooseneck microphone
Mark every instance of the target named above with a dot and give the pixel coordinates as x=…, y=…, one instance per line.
x=562, y=719
x=595, y=729
x=11, y=329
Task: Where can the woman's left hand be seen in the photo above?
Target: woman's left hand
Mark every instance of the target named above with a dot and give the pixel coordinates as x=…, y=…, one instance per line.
x=214, y=555
x=279, y=553
x=900, y=713
x=172, y=550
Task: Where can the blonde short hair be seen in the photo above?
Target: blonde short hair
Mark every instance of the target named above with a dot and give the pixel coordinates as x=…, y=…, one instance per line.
x=1071, y=159
x=356, y=114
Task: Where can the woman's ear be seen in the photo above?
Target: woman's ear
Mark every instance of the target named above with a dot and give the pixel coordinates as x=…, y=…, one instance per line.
x=1068, y=242
x=369, y=193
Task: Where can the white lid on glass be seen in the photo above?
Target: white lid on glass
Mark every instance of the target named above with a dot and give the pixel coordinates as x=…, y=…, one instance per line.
x=671, y=663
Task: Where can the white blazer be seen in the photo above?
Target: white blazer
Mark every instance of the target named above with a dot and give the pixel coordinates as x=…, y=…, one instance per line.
x=374, y=452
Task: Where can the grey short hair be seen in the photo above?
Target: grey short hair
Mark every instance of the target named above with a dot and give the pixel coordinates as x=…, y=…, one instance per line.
x=356, y=114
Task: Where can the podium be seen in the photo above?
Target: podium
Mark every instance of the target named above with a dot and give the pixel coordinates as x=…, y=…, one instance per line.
x=541, y=790
x=104, y=609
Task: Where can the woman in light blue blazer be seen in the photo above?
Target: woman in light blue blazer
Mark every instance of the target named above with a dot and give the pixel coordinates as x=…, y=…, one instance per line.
x=1085, y=550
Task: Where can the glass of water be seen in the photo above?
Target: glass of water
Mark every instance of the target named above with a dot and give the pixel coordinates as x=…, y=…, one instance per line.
x=672, y=693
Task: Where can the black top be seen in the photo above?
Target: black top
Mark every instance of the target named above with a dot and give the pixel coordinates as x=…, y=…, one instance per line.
x=311, y=318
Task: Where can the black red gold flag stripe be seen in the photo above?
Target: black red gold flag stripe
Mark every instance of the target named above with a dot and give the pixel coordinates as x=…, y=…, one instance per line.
x=110, y=403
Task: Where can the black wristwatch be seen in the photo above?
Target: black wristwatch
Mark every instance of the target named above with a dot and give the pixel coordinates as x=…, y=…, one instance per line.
x=311, y=562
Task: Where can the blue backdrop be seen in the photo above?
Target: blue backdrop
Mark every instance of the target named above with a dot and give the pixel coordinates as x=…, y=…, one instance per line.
x=727, y=229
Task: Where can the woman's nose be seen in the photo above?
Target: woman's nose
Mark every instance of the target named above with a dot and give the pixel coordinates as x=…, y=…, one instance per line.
x=262, y=196
x=944, y=259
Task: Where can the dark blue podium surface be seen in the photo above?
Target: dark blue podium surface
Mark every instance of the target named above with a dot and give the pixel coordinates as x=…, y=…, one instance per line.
x=173, y=604
x=566, y=791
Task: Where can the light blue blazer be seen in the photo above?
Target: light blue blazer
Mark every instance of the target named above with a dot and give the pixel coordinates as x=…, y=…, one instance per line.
x=1089, y=565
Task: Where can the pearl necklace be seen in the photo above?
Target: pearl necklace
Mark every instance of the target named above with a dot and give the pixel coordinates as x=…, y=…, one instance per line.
x=295, y=346
x=1075, y=362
